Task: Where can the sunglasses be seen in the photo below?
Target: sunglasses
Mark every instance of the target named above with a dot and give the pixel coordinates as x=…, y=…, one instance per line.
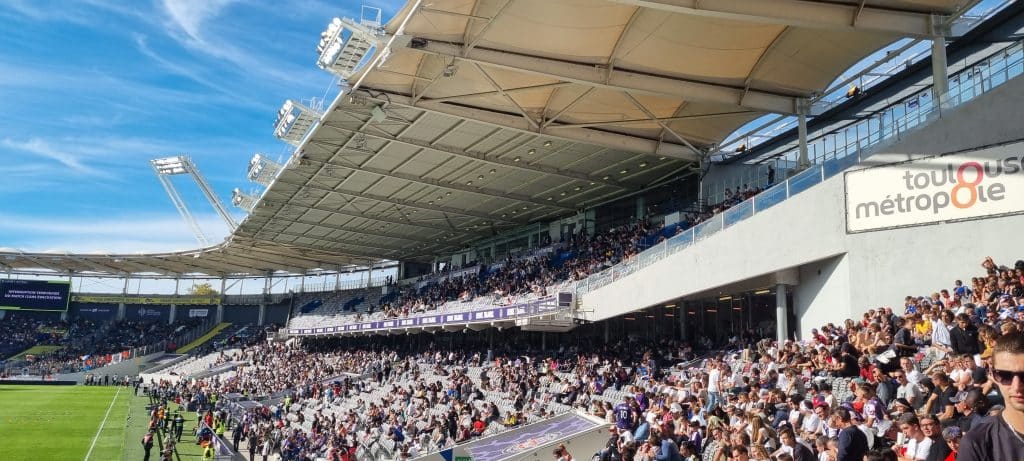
x=1005, y=377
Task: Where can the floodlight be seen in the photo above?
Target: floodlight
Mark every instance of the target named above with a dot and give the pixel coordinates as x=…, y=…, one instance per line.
x=243, y=200
x=345, y=44
x=294, y=122
x=263, y=170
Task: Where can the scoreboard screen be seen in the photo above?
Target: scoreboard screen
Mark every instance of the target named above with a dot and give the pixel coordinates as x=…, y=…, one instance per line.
x=35, y=295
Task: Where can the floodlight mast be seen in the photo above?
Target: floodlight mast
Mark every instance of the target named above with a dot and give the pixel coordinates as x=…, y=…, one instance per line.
x=178, y=165
x=162, y=173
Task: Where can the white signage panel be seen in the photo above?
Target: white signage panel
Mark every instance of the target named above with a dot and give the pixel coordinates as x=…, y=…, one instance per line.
x=964, y=185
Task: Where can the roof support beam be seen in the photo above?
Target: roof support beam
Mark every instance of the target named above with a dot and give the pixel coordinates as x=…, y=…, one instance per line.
x=308, y=256
x=640, y=121
x=227, y=268
x=375, y=246
x=607, y=139
x=524, y=166
x=408, y=203
x=521, y=89
x=440, y=184
x=802, y=13
x=660, y=123
x=367, y=232
x=261, y=263
x=618, y=79
x=356, y=214
x=533, y=123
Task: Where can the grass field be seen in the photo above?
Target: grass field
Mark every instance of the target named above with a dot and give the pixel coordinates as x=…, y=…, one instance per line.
x=62, y=422
x=80, y=423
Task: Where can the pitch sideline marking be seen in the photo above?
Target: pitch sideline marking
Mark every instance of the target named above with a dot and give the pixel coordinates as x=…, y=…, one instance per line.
x=102, y=423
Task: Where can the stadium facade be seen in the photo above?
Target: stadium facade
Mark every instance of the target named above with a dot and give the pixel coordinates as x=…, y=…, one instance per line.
x=457, y=139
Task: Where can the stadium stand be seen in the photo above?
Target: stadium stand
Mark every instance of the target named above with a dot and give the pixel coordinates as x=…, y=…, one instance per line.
x=912, y=382
x=736, y=359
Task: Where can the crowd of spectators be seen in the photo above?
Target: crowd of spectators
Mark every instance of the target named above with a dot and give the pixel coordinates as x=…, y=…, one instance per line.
x=21, y=332
x=941, y=380
x=575, y=258
x=83, y=344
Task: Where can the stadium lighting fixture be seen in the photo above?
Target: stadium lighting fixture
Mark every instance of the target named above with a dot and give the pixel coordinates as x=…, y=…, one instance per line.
x=624, y=171
x=295, y=121
x=531, y=151
x=182, y=165
x=725, y=298
x=493, y=171
x=262, y=170
x=345, y=44
x=517, y=159
x=762, y=292
x=547, y=143
x=242, y=200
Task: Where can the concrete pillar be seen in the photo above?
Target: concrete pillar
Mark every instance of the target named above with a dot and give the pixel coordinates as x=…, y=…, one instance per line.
x=220, y=301
x=263, y=315
x=781, y=313
x=641, y=207
x=120, y=305
x=940, y=79
x=369, y=274
x=173, y=315
x=681, y=313
x=803, y=161
x=543, y=341
x=607, y=331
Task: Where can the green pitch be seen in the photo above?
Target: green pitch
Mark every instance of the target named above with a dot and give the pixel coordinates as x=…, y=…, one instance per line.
x=63, y=422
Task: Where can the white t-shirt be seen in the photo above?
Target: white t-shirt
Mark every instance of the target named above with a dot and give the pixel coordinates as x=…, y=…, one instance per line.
x=918, y=450
x=714, y=376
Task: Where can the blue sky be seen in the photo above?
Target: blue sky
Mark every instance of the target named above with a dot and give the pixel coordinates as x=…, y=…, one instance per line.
x=94, y=89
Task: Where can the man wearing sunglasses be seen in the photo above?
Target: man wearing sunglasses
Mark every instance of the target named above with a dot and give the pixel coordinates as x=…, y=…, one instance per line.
x=1001, y=437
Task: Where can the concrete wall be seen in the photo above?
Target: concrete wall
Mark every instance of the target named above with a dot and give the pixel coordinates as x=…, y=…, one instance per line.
x=129, y=367
x=841, y=276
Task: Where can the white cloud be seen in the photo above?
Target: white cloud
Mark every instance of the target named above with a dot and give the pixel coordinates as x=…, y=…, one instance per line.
x=188, y=26
x=190, y=15
x=41, y=148
x=113, y=234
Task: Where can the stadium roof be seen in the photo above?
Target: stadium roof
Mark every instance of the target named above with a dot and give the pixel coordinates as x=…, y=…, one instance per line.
x=483, y=116
x=238, y=255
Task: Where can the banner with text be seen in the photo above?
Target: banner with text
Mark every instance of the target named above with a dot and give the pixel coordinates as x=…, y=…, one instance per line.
x=170, y=299
x=964, y=185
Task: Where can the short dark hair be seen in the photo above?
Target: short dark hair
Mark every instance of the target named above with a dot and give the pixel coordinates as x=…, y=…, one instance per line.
x=1012, y=343
x=909, y=418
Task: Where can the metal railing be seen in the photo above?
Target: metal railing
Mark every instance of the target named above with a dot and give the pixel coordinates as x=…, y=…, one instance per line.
x=903, y=115
x=344, y=285
x=974, y=81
